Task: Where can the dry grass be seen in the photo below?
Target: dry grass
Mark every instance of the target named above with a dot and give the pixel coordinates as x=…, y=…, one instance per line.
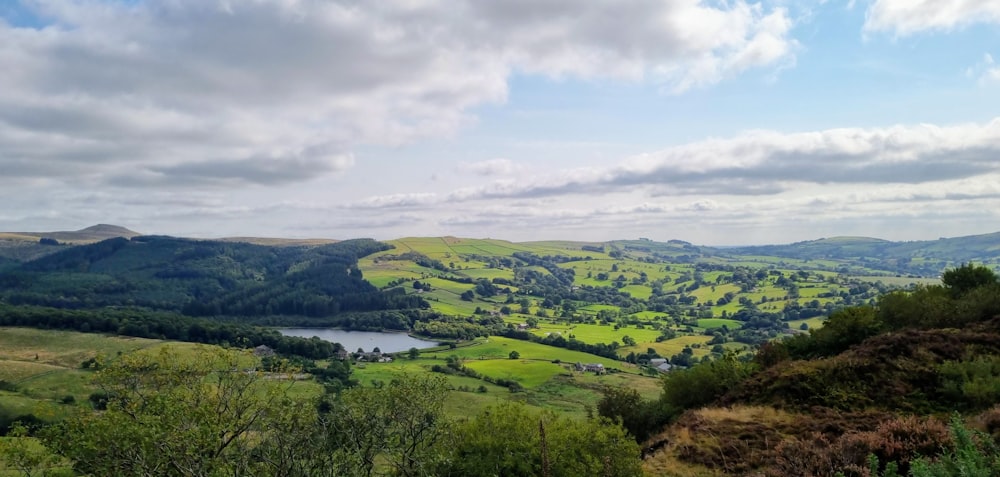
x=13, y=371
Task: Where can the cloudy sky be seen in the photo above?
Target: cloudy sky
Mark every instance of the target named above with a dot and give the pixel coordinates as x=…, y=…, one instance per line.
x=717, y=122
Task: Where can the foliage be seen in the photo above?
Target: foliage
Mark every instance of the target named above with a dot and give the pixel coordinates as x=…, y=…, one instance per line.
x=204, y=278
x=975, y=382
x=401, y=422
x=969, y=454
x=702, y=384
x=170, y=414
x=509, y=440
x=23, y=454
x=844, y=328
x=967, y=277
x=627, y=407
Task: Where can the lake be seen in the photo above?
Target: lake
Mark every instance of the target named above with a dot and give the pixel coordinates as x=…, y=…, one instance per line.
x=352, y=340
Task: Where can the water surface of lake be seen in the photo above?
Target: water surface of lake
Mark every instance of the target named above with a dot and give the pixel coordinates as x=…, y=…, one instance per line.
x=387, y=342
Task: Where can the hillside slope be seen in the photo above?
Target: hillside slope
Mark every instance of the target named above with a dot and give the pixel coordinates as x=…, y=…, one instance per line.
x=26, y=246
x=201, y=278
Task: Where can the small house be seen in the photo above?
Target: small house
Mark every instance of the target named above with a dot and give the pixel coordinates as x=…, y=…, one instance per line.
x=263, y=351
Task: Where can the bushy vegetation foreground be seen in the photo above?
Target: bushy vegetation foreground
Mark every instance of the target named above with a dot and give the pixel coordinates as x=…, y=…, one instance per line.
x=214, y=412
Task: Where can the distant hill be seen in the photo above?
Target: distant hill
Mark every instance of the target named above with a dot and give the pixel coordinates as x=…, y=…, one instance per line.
x=25, y=246
x=90, y=234
x=200, y=278
x=277, y=242
x=925, y=257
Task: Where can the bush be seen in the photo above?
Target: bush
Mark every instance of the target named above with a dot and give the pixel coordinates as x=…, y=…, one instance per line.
x=974, y=383
x=702, y=384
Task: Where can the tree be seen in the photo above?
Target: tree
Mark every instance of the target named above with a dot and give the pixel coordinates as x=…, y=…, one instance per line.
x=20, y=453
x=414, y=353
x=510, y=440
x=172, y=413
x=514, y=355
x=399, y=424
x=468, y=295
x=967, y=277
x=625, y=405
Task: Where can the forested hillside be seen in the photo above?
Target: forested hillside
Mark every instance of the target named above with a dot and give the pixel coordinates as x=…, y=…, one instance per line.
x=202, y=278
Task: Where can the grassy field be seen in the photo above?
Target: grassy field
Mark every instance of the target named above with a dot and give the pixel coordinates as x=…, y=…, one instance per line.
x=547, y=385
x=718, y=323
x=44, y=368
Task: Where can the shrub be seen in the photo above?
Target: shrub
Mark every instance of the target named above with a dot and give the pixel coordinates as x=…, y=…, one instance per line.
x=702, y=384
x=974, y=383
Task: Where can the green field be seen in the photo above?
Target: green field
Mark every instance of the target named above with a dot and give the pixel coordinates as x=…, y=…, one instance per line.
x=718, y=323
x=44, y=368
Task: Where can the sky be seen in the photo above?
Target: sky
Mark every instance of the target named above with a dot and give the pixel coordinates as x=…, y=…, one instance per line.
x=726, y=122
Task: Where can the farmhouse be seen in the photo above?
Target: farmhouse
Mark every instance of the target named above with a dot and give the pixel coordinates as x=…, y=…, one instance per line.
x=665, y=367
x=263, y=351
x=373, y=357
x=595, y=367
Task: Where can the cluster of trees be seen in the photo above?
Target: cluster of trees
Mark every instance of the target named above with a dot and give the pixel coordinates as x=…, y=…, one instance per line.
x=967, y=294
x=214, y=413
x=557, y=340
x=438, y=326
x=162, y=325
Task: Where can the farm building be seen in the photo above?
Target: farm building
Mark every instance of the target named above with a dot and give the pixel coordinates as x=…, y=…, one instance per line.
x=595, y=367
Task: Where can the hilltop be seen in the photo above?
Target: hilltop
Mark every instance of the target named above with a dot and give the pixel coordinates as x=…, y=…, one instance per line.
x=94, y=233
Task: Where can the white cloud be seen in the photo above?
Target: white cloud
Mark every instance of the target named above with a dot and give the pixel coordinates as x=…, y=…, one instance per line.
x=492, y=167
x=986, y=71
x=907, y=17
x=767, y=162
x=179, y=87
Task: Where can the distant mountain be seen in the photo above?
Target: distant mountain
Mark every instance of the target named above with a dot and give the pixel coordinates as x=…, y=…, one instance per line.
x=90, y=234
x=25, y=246
x=921, y=257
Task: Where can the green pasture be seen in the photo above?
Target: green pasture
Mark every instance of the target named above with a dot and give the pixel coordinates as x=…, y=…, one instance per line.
x=62, y=348
x=650, y=315
x=813, y=323
x=499, y=347
x=671, y=347
x=900, y=281
x=718, y=323
x=488, y=273
x=594, y=308
x=529, y=373
x=547, y=385
x=594, y=334
x=448, y=285
x=642, y=292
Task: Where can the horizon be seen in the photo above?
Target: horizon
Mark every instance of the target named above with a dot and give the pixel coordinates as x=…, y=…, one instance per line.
x=751, y=122
x=550, y=239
